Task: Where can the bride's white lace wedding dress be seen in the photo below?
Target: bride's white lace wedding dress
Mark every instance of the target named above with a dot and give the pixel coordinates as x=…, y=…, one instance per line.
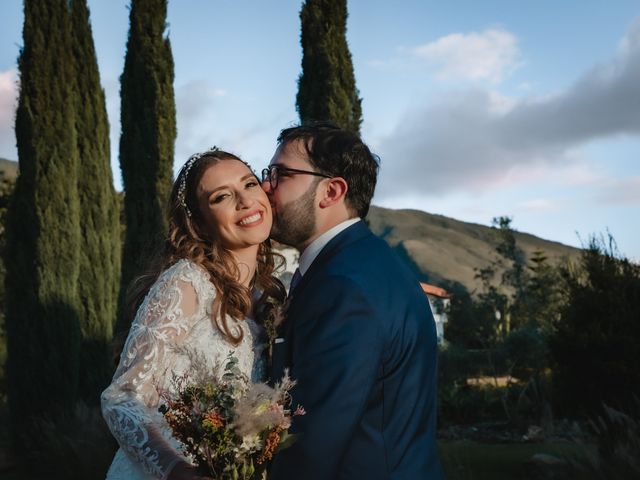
x=171, y=326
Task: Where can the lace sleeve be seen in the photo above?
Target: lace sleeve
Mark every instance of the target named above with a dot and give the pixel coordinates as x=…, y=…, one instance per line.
x=130, y=403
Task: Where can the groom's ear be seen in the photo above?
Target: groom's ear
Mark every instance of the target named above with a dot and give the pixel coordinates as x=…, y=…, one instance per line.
x=334, y=191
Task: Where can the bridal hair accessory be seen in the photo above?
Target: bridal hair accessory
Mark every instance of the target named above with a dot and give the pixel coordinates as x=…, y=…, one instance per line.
x=184, y=173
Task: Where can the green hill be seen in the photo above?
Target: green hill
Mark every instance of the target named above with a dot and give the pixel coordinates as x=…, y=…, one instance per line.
x=442, y=249
x=438, y=248
x=9, y=168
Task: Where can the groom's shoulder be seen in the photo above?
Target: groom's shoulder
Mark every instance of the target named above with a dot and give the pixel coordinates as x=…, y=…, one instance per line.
x=371, y=256
x=361, y=238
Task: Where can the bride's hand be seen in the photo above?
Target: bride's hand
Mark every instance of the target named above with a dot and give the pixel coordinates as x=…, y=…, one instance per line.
x=184, y=471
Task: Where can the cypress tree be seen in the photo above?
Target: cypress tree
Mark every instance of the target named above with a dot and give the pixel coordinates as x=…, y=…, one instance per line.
x=327, y=86
x=43, y=231
x=99, y=214
x=148, y=136
x=6, y=190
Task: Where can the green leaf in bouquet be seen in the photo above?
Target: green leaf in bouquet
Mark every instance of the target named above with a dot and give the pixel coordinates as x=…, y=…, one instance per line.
x=232, y=471
x=232, y=374
x=286, y=440
x=231, y=362
x=206, y=417
x=209, y=390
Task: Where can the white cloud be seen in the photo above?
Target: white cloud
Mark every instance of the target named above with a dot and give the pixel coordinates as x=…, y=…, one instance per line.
x=195, y=98
x=377, y=63
x=8, y=96
x=500, y=104
x=111, y=87
x=208, y=115
x=622, y=191
x=489, y=55
x=476, y=138
x=629, y=44
x=197, y=116
x=8, y=102
x=534, y=205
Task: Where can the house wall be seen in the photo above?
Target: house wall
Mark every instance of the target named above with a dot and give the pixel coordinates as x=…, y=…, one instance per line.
x=438, y=309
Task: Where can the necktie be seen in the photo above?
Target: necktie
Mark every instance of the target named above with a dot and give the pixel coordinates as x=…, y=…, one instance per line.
x=297, y=276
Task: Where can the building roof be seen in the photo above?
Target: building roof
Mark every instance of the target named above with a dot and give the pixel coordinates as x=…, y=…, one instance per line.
x=434, y=291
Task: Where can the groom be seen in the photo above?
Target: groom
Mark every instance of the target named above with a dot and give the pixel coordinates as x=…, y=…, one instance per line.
x=358, y=337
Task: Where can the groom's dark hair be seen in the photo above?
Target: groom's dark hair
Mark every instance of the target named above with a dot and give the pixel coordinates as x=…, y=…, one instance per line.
x=337, y=152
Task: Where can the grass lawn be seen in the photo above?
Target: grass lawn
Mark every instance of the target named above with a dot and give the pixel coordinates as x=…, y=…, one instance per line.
x=13, y=474
x=465, y=460
x=461, y=460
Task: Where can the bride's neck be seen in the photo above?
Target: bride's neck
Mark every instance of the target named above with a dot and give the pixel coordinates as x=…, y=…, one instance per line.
x=247, y=261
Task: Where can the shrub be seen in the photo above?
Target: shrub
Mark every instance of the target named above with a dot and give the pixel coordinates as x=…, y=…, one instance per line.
x=78, y=447
x=526, y=352
x=596, y=342
x=462, y=404
x=617, y=435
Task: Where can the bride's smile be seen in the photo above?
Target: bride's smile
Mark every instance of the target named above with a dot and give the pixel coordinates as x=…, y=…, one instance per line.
x=236, y=210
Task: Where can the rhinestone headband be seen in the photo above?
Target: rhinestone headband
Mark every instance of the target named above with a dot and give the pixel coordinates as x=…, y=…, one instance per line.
x=184, y=173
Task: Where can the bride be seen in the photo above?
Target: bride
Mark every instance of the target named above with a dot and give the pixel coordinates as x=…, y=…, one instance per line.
x=198, y=300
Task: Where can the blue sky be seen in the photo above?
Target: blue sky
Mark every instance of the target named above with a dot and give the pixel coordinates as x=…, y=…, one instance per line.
x=477, y=109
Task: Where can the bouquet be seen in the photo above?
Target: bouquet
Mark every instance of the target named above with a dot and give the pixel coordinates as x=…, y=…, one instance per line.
x=230, y=428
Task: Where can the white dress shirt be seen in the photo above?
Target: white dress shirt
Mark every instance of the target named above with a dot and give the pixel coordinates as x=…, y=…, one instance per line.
x=311, y=252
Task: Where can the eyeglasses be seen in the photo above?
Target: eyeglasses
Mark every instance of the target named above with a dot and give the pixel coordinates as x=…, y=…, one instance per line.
x=273, y=173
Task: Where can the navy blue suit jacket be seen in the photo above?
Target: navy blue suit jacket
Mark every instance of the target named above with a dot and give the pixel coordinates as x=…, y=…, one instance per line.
x=360, y=340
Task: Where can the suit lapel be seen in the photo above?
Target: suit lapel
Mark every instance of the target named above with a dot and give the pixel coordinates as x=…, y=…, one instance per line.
x=349, y=235
x=282, y=348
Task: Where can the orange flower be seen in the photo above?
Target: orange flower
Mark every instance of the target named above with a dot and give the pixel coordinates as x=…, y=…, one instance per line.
x=213, y=419
x=270, y=445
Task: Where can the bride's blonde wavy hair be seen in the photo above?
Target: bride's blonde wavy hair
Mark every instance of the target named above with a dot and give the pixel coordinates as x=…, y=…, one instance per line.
x=188, y=238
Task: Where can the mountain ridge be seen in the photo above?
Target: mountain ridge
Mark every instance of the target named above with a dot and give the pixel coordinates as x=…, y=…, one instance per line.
x=443, y=251
x=8, y=168
x=439, y=249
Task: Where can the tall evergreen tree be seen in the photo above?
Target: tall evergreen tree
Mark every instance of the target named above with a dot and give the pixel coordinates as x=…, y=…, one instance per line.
x=6, y=190
x=596, y=340
x=43, y=231
x=99, y=215
x=327, y=86
x=148, y=135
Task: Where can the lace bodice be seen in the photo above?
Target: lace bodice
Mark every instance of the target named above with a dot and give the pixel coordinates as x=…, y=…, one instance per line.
x=172, y=328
